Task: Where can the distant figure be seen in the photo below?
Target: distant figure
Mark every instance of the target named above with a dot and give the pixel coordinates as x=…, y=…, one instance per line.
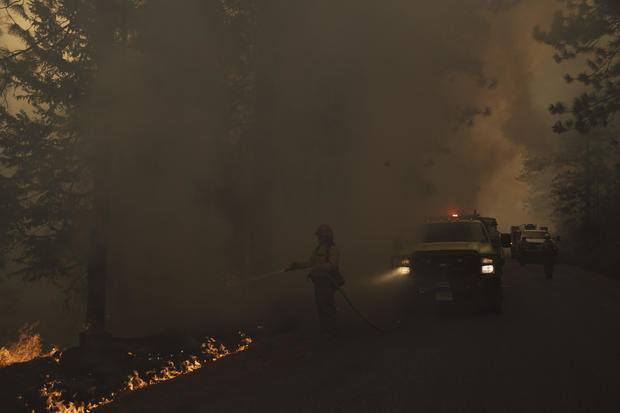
x=522, y=248
x=496, y=238
x=325, y=276
x=550, y=252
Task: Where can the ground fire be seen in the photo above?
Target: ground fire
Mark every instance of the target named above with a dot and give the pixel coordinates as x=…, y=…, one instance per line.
x=59, y=395
x=27, y=347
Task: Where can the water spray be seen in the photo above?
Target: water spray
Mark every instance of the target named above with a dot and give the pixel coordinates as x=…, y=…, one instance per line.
x=236, y=282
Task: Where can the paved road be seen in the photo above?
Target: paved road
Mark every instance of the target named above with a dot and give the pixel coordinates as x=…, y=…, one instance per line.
x=556, y=347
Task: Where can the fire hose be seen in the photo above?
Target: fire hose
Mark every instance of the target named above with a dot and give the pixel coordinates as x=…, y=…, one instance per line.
x=355, y=310
x=234, y=283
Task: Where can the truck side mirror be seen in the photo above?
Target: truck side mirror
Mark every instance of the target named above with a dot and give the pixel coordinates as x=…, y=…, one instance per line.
x=506, y=240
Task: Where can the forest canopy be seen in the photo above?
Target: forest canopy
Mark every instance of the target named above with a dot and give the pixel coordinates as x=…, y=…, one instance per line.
x=585, y=188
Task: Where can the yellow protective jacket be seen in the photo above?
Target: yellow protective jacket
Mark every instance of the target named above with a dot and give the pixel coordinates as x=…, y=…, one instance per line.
x=322, y=263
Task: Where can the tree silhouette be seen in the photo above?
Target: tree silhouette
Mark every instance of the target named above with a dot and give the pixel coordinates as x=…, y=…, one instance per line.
x=60, y=134
x=589, y=30
x=585, y=167
x=55, y=211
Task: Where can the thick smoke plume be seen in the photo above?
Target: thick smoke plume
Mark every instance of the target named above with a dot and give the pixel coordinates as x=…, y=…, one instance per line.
x=365, y=115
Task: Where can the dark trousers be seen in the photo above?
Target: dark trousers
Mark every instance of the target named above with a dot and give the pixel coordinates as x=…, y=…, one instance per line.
x=324, y=292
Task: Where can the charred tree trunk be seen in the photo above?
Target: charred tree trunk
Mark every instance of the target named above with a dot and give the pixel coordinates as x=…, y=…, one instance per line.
x=97, y=274
x=587, y=224
x=111, y=19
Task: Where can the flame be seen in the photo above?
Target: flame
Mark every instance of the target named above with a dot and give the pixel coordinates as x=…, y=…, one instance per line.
x=87, y=326
x=169, y=372
x=210, y=348
x=27, y=347
x=56, y=404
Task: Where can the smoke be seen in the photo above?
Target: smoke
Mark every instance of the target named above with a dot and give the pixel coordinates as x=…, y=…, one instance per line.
x=520, y=127
x=361, y=114
x=367, y=116
x=42, y=304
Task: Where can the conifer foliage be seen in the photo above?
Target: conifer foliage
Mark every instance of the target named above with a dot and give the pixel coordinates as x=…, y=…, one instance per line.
x=52, y=208
x=71, y=74
x=589, y=30
x=586, y=165
x=43, y=83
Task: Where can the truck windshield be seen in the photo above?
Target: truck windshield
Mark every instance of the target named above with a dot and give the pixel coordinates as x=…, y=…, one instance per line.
x=455, y=232
x=535, y=234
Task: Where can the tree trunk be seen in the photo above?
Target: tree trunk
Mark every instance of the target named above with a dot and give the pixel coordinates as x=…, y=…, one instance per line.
x=97, y=274
x=112, y=16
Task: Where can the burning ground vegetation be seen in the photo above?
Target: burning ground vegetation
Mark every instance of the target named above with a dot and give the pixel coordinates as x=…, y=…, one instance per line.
x=27, y=347
x=81, y=379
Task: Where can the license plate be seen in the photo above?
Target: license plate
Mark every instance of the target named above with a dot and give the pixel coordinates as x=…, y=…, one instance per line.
x=443, y=296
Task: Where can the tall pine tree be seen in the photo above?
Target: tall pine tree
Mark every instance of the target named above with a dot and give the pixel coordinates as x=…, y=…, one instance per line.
x=54, y=210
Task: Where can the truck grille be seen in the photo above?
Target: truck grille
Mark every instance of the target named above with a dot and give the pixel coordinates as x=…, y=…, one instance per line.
x=437, y=262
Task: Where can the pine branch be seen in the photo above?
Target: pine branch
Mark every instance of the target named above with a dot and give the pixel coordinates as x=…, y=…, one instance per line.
x=32, y=46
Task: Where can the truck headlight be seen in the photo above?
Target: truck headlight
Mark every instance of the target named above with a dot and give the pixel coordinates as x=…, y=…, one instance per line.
x=486, y=261
x=487, y=269
x=404, y=270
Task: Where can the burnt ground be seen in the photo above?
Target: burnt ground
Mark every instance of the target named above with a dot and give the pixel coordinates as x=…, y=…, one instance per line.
x=554, y=348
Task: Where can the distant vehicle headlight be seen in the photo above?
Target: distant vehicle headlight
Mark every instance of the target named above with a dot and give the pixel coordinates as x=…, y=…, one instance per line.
x=485, y=261
x=487, y=269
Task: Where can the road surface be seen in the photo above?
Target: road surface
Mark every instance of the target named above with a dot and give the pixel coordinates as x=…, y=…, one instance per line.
x=556, y=347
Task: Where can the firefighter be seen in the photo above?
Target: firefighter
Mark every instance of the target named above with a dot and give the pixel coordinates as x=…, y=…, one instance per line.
x=522, y=248
x=550, y=252
x=324, y=274
x=496, y=239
